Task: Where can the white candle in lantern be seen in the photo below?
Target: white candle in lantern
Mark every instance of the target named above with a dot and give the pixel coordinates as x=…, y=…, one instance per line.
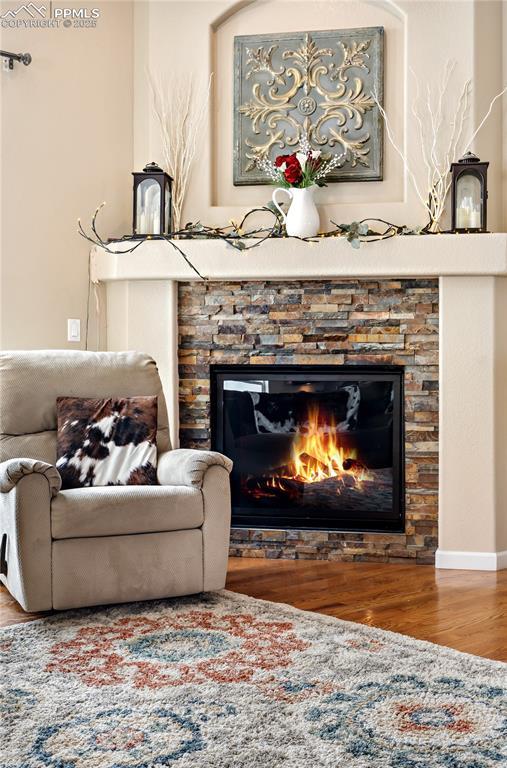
x=475, y=219
x=141, y=226
x=153, y=209
x=463, y=217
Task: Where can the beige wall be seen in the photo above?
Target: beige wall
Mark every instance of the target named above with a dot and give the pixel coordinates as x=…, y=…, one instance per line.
x=504, y=121
x=73, y=122
x=500, y=387
x=66, y=125
x=420, y=34
x=488, y=66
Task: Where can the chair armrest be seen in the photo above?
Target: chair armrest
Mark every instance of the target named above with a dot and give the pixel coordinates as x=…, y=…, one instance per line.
x=185, y=466
x=26, y=489
x=13, y=470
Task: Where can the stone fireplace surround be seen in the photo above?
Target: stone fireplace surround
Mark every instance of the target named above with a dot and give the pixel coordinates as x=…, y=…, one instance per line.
x=332, y=322
x=417, y=302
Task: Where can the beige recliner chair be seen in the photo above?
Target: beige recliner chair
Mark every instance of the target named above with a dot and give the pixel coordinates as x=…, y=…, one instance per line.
x=90, y=546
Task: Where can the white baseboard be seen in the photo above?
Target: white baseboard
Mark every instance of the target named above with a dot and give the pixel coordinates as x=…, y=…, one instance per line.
x=471, y=561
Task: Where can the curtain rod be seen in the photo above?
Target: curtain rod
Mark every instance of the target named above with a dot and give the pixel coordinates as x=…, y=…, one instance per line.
x=10, y=58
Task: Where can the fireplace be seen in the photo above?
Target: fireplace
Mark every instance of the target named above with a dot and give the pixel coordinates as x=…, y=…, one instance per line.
x=314, y=447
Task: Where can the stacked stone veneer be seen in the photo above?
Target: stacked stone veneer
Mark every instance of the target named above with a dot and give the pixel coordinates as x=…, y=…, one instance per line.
x=331, y=322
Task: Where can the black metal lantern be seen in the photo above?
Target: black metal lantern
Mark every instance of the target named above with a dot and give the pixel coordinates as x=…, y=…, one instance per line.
x=469, y=194
x=152, y=212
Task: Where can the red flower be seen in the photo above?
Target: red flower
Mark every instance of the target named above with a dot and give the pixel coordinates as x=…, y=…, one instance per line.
x=293, y=173
x=293, y=160
x=281, y=159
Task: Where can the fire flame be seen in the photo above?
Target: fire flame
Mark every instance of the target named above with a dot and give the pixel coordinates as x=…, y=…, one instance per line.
x=317, y=454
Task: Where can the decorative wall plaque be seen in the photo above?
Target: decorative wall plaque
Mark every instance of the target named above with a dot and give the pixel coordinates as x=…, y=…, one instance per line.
x=314, y=83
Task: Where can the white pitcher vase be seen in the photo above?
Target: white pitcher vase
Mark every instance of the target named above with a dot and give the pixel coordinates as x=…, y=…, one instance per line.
x=302, y=220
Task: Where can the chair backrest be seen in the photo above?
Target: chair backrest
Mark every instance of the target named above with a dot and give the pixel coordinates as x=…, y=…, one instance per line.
x=30, y=382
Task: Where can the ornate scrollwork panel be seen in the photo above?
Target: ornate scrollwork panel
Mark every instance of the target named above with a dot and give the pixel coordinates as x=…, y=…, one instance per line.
x=315, y=83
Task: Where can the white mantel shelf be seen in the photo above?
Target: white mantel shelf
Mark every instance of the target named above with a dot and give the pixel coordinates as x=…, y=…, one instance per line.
x=288, y=258
x=142, y=314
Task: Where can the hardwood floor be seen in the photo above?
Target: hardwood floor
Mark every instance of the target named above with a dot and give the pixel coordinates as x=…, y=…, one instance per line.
x=466, y=610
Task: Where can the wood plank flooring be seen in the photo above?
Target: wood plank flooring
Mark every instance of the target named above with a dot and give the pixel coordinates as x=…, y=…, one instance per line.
x=466, y=610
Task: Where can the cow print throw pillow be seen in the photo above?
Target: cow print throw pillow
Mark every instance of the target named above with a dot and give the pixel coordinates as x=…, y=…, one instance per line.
x=106, y=441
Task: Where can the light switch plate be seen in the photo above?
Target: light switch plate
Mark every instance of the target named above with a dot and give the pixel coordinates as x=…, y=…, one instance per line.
x=73, y=329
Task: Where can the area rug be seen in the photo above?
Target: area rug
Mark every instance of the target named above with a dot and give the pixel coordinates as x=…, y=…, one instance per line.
x=227, y=681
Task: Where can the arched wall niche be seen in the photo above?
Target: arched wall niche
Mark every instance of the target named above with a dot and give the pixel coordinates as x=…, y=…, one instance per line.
x=259, y=16
x=240, y=5
x=194, y=37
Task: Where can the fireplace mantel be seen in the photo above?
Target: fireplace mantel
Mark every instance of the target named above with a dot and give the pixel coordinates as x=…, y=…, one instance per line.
x=142, y=314
x=283, y=259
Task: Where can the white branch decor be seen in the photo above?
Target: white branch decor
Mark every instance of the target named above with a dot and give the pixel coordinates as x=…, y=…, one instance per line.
x=440, y=137
x=181, y=109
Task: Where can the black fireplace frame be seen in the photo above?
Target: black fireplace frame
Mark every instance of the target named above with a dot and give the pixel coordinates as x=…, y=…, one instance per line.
x=242, y=517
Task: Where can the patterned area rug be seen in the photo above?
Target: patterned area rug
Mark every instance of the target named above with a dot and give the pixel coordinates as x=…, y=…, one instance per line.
x=226, y=681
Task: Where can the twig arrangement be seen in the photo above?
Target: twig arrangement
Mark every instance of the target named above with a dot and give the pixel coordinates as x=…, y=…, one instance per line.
x=180, y=111
x=440, y=139
x=234, y=234
x=237, y=236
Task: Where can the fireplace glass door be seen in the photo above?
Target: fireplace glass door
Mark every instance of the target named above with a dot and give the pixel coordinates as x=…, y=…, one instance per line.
x=317, y=447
